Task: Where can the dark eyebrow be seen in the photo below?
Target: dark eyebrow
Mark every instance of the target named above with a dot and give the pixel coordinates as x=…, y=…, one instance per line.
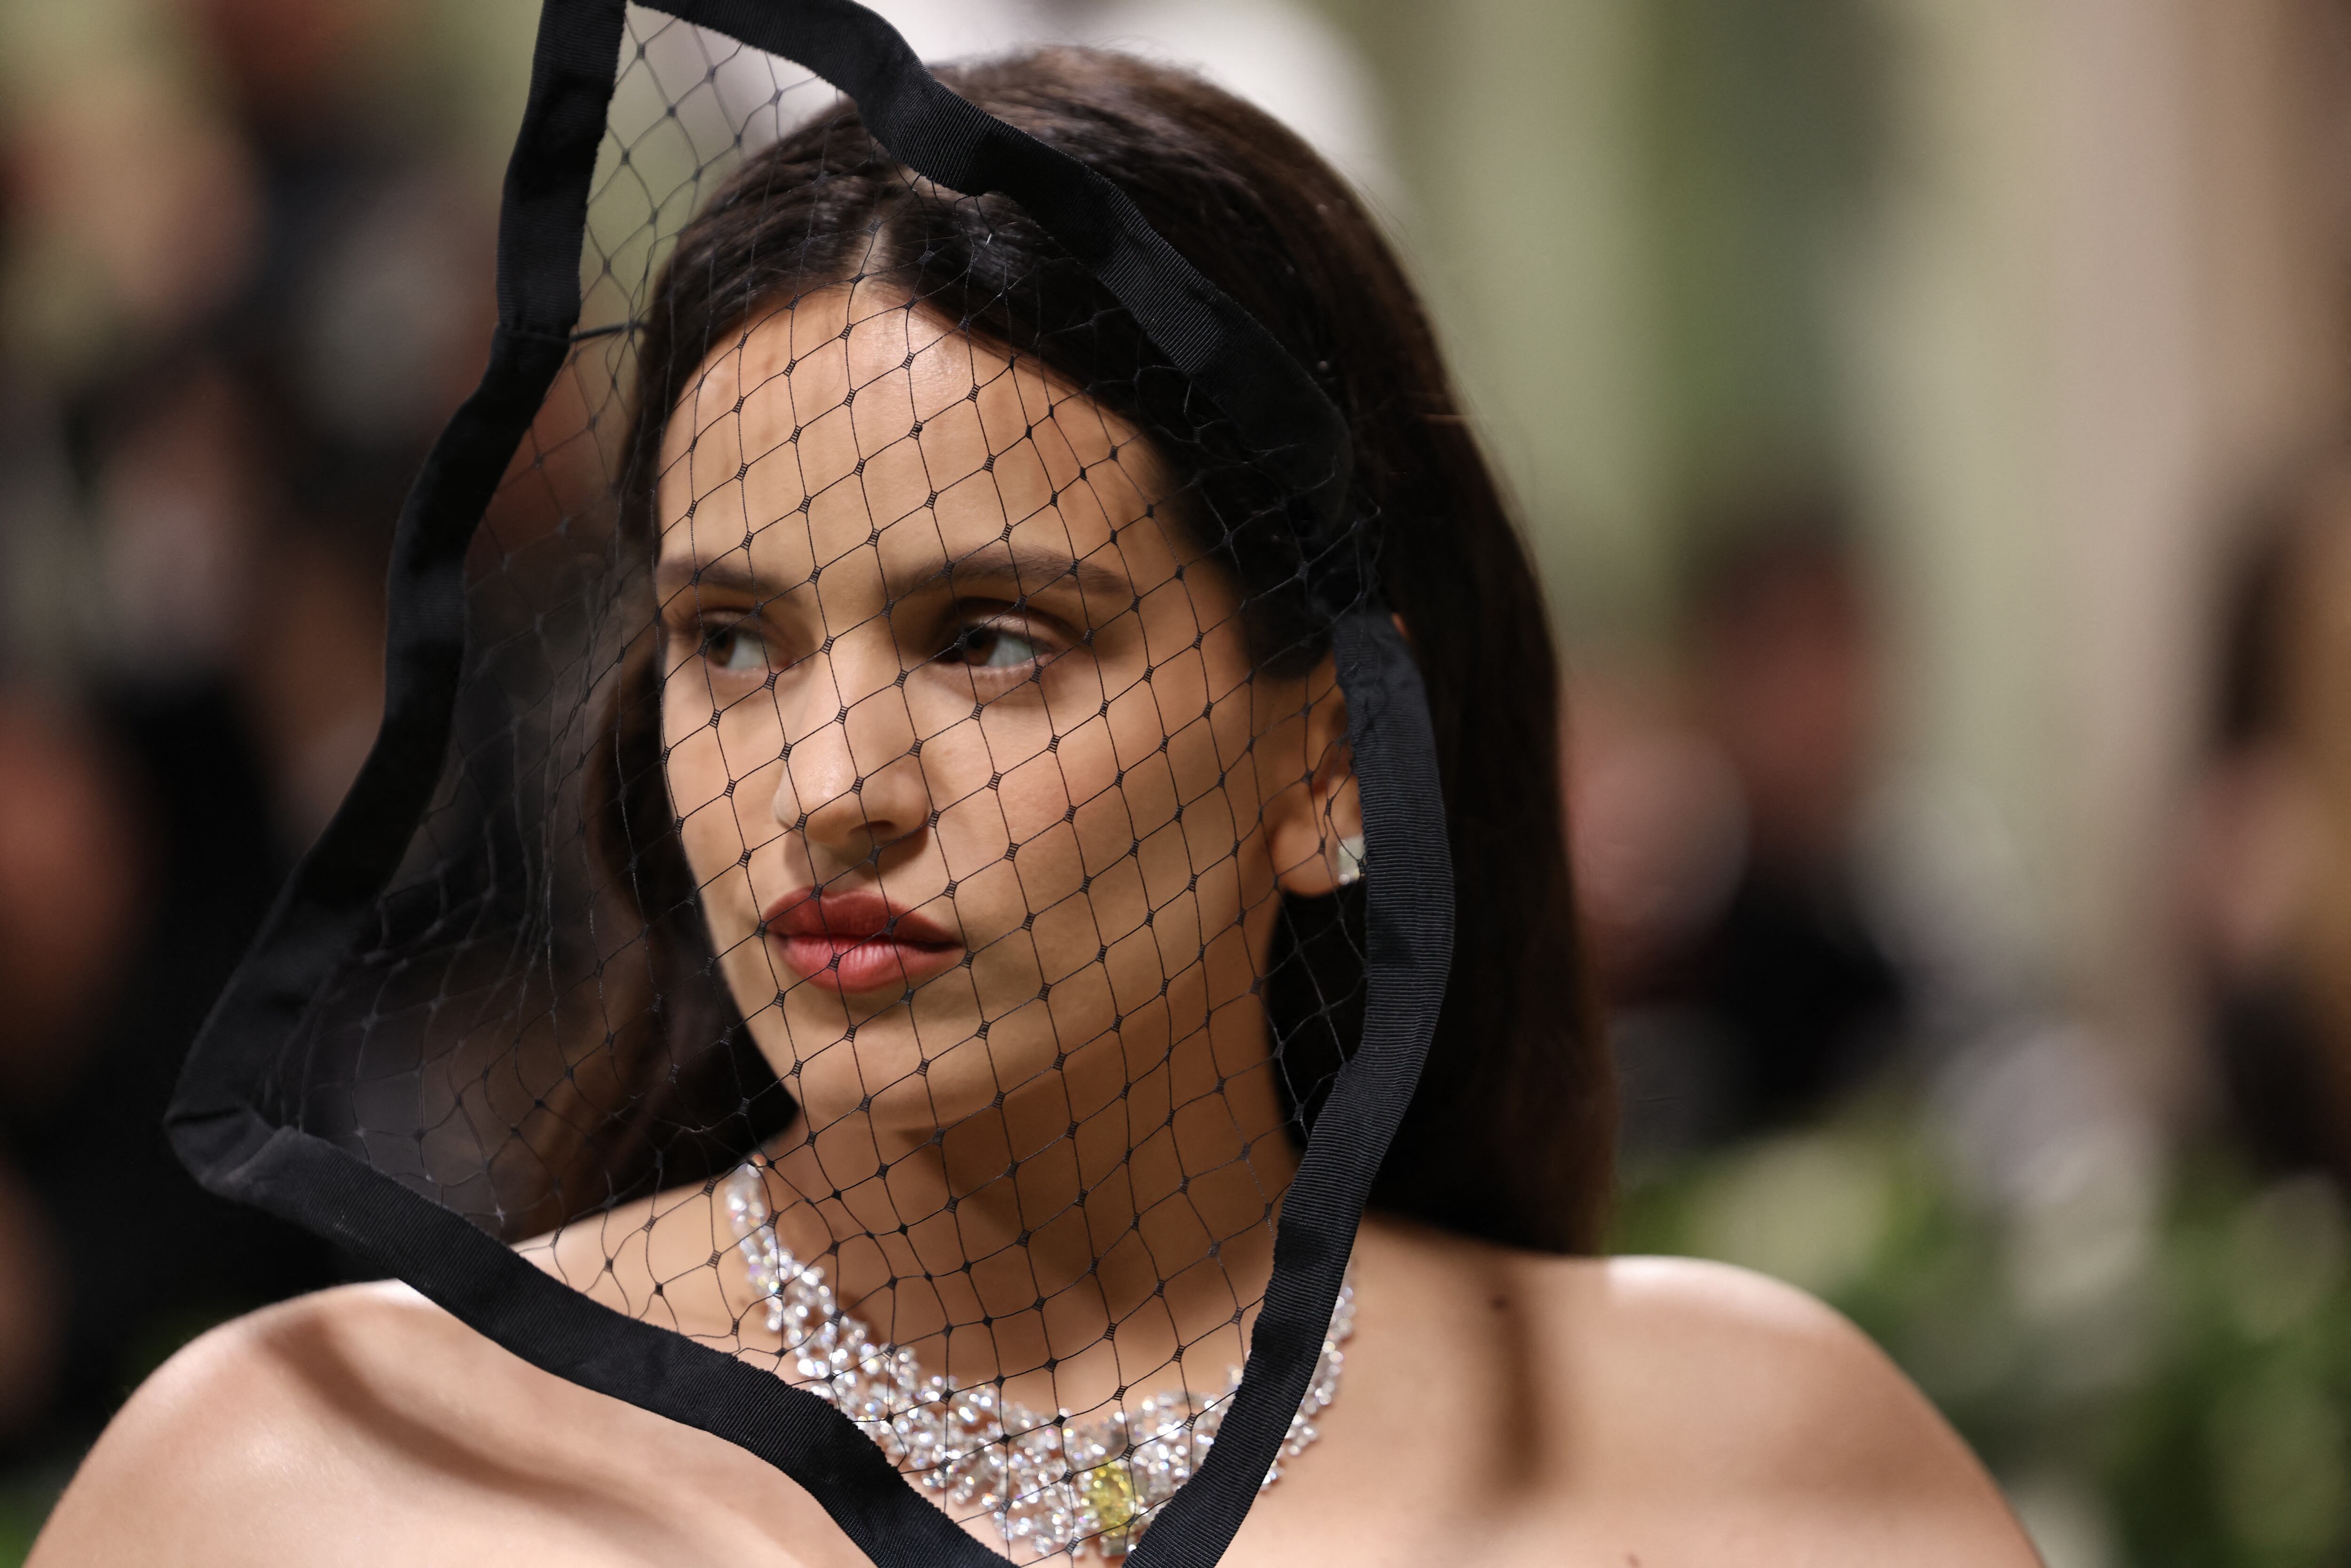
x=1025, y=568
x=672, y=577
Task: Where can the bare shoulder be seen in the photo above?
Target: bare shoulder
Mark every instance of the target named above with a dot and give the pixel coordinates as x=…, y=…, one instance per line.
x=1764, y=1377
x=1705, y=1409
x=234, y=1448
x=367, y=1420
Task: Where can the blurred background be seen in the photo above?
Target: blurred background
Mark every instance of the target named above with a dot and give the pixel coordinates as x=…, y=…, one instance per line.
x=1933, y=420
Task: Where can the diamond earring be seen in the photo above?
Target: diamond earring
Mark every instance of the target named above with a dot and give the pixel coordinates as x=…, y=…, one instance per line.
x=1347, y=865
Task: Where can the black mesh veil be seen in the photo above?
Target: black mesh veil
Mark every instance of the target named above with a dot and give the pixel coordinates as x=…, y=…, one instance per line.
x=861, y=932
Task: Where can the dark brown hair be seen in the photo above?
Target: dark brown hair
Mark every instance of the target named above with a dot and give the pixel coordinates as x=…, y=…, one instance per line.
x=1511, y=1135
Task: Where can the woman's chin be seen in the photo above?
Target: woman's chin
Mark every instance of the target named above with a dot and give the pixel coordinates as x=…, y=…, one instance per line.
x=883, y=1076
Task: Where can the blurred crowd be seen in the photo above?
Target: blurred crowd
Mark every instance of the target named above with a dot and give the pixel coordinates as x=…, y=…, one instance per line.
x=1837, y=1068
x=242, y=296
x=247, y=271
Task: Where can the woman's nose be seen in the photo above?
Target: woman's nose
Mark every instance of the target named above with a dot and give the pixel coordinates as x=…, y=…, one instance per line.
x=852, y=783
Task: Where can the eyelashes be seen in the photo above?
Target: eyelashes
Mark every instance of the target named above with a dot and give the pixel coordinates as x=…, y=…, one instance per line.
x=993, y=645
x=735, y=647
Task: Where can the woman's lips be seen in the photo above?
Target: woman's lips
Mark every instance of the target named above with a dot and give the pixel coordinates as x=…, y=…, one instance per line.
x=857, y=941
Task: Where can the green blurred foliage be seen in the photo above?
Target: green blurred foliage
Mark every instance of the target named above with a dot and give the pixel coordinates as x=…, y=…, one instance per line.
x=2194, y=1413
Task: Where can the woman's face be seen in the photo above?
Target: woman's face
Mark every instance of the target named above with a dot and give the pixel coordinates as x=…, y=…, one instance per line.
x=985, y=801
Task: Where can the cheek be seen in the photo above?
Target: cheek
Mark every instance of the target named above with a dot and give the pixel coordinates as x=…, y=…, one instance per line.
x=694, y=765
x=711, y=792
x=718, y=827
x=1116, y=858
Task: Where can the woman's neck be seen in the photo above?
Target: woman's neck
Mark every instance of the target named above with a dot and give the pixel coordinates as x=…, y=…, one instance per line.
x=1127, y=1241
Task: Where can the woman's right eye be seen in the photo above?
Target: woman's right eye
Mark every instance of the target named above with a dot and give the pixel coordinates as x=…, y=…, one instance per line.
x=735, y=647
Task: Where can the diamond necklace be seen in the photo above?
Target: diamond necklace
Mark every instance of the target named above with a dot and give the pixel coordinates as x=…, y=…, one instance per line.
x=1053, y=1486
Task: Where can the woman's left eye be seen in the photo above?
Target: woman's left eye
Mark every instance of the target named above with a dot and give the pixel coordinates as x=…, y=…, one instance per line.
x=735, y=647
x=992, y=648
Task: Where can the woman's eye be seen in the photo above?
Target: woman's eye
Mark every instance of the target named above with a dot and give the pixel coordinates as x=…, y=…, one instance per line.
x=734, y=647
x=992, y=648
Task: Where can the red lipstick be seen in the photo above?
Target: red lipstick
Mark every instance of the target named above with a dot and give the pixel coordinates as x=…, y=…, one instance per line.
x=857, y=942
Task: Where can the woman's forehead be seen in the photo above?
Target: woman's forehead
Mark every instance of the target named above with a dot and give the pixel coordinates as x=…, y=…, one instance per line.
x=852, y=427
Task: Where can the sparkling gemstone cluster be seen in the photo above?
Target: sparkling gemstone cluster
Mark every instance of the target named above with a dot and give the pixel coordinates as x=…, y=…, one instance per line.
x=1054, y=1485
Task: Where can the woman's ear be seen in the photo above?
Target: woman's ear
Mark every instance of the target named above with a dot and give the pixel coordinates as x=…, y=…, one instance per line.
x=1315, y=830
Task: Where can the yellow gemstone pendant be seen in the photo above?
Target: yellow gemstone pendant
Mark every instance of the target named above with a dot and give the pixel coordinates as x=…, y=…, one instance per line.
x=1113, y=1499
